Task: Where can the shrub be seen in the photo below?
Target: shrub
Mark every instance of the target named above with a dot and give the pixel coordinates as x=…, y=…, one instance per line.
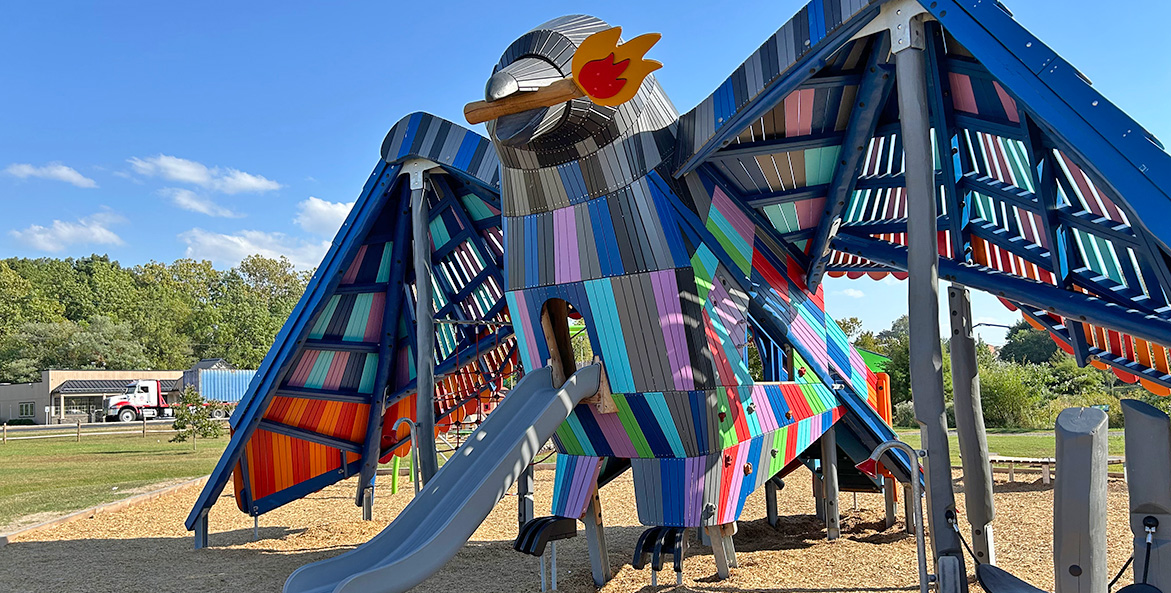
x=20, y=422
x=904, y=415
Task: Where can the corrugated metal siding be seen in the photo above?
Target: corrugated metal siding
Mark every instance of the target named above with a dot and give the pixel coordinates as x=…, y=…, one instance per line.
x=219, y=384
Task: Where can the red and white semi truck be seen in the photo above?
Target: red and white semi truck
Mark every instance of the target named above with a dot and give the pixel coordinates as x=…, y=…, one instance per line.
x=141, y=400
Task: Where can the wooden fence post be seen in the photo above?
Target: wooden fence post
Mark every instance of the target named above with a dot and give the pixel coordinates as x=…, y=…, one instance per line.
x=144, y=428
x=5, y=438
x=79, y=431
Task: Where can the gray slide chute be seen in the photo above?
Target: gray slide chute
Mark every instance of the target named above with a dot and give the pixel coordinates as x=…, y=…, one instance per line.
x=437, y=523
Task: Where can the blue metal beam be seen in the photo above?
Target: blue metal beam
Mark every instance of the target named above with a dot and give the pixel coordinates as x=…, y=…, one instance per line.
x=777, y=146
x=943, y=121
x=323, y=395
x=308, y=435
x=1117, y=152
x=1065, y=303
x=387, y=338
x=877, y=82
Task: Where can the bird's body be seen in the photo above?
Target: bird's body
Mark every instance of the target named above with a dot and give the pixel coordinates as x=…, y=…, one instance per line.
x=663, y=273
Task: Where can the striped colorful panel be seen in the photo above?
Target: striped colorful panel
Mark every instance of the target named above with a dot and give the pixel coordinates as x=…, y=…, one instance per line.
x=577, y=478
x=276, y=462
x=684, y=424
x=763, y=70
x=674, y=491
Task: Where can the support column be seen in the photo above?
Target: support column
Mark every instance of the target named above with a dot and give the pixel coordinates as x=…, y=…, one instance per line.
x=829, y=476
x=425, y=331
x=770, y=501
x=201, y=525
x=965, y=382
x=1079, y=502
x=889, y=486
x=1149, y=483
x=923, y=293
x=595, y=533
x=524, y=496
x=819, y=494
x=908, y=507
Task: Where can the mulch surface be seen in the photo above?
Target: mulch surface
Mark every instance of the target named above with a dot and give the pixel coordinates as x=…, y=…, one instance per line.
x=147, y=549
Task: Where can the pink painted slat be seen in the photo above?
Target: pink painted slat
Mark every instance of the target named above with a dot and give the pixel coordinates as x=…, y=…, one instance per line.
x=337, y=370
x=352, y=271
x=962, y=96
x=308, y=359
x=1009, y=105
x=374, y=321
x=806, y=111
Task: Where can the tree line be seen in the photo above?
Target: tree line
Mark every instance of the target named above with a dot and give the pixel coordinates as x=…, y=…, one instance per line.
x=93, y=312
x=1023, y=384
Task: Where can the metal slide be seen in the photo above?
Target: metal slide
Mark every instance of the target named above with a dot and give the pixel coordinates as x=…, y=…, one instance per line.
x=442, y=517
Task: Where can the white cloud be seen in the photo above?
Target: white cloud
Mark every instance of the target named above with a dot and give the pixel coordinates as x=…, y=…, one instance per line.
x=853, y=293
x=189, y=200
x=225, y=249
x=94, y=229
x=322, y=217
x=55, y=171
x=226, y=180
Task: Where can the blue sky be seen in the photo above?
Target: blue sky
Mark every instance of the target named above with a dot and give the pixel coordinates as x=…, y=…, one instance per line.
x=158, y=130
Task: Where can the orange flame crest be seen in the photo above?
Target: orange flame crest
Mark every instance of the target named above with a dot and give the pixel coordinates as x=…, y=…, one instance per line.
x=611, y=74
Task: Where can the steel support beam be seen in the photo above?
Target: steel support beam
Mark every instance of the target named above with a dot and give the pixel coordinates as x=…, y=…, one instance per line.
x=1068, y=304
x=372, y=444
x=425, y=326
x=868, y=104
x=965, y=382
x=829, y=476
x=923, y=298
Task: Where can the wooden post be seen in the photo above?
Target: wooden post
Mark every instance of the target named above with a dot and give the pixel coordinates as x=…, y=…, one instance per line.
x=1079, y=502
x=1011, y=472
x=721, y=556
x=144, y=428
x=79, y=431
x=5, y=438
x=596, y=541
x=1045, y=476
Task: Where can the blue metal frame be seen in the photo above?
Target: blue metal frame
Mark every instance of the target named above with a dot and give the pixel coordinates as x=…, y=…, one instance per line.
x=877, y=82
x=789, y=80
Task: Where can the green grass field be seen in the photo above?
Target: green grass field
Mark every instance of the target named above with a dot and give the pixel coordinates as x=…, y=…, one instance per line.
x=1011, y=445
x=59, y=475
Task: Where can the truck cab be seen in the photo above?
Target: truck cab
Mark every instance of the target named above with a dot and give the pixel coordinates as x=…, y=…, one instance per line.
x=141, y=400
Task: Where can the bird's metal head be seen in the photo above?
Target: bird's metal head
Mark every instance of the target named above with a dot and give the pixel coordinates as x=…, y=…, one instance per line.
x=537, y=59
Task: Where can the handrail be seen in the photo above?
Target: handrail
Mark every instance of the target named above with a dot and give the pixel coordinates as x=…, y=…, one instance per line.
x=414, y=449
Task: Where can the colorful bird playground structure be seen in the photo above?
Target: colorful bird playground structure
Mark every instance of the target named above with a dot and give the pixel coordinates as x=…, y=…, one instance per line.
x=922, y=139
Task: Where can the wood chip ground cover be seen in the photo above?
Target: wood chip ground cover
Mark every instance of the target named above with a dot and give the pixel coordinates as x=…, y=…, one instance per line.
x=147, y=549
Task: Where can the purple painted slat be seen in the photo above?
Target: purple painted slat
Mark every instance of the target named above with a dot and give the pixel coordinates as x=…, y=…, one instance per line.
x=573, y=240
x=615, y=433
x=681, y=370
x=671, y=320
x=767, y=419
x=572, y=498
